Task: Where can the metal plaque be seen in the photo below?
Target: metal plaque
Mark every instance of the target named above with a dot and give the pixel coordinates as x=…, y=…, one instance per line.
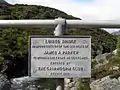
x=60, y=57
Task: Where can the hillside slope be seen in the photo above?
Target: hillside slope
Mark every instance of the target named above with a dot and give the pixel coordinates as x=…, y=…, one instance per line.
x=41, y=12
x=18, y=37
x=3, y=2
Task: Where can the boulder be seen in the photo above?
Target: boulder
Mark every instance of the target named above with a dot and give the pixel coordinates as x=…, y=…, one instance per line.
x=22, y=82
x=106, y=83
x=103, y=59
x=100, y=57
x=115, y=52
x=4, y=83
x=27, y=83
x=70, y=83
x=114, y=68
